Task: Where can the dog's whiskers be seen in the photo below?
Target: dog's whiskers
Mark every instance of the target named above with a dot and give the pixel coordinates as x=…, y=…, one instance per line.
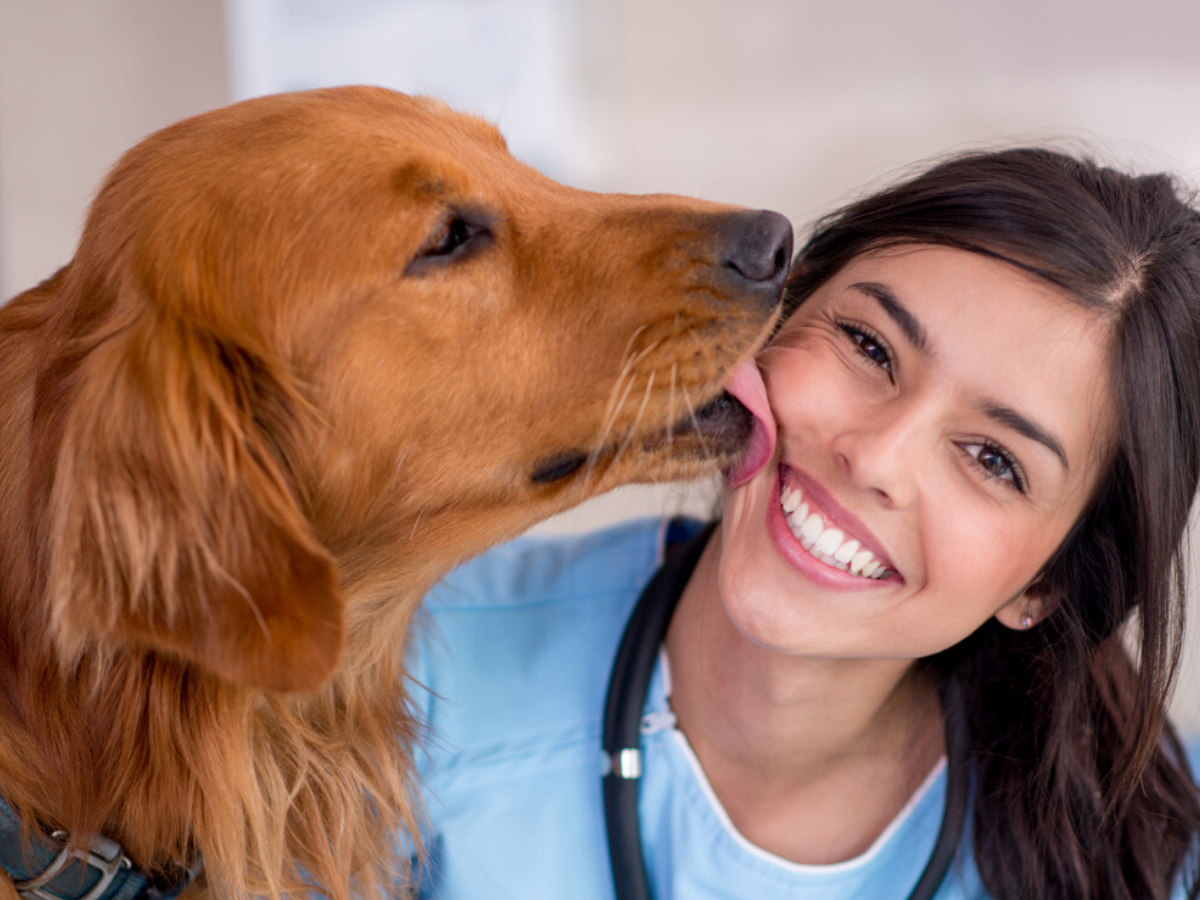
x=637, y=419
x=633, y=337
x=416, y=523
x=609, y=422
x=617, y=399
x=704, y=448
x=613, y=410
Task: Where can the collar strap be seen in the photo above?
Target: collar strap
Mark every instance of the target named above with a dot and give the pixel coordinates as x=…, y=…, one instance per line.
x=47, y=867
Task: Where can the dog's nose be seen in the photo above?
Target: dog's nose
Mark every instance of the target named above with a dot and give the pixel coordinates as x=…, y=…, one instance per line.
x=758, y=252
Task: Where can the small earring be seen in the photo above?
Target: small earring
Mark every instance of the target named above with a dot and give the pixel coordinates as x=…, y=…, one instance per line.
x=1026, y=620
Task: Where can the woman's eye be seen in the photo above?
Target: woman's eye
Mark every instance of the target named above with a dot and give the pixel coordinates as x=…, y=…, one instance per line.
x=996, y=463
x=870, y=346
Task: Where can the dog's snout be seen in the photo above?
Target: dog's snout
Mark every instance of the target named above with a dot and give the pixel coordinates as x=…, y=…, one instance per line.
x=758, y=252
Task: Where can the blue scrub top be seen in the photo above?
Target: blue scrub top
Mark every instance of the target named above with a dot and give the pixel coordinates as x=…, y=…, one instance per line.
x=514, y=659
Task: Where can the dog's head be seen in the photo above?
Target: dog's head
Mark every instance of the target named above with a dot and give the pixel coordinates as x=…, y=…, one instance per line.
x=341, y=340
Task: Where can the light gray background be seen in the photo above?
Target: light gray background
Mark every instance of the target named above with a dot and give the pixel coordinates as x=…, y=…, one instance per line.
x=789, y=104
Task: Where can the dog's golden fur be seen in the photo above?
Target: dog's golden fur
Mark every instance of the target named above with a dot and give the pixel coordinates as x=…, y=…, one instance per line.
x=313, y=350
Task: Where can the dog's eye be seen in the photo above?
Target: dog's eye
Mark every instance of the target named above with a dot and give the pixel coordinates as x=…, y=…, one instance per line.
x=454, y=234
x=452, y=240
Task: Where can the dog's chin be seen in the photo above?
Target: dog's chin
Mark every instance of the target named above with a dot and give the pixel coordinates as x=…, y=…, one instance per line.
x=716, y=438
x=724, y=426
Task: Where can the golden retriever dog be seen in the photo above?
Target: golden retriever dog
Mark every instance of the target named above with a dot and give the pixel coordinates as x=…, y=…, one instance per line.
x=313, y=351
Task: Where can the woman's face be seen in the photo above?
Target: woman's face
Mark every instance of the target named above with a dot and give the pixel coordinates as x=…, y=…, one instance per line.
x=942, y=419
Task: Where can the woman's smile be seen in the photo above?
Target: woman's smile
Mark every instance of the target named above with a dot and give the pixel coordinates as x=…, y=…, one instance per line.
x=827, y=534
x=826, y=541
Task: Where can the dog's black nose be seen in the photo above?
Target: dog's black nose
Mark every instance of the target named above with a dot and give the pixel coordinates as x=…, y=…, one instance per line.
x=758, y=252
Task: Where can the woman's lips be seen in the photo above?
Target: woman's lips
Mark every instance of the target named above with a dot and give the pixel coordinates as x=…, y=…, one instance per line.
x=822, y=538
x=746, y=386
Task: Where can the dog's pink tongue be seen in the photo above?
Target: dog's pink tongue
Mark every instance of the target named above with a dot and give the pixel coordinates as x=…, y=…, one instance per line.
x=747, y=386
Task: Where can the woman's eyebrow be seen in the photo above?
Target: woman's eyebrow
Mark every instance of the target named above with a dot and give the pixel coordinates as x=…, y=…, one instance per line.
x=916, y=335
x=899, y=314
x=1011, y=418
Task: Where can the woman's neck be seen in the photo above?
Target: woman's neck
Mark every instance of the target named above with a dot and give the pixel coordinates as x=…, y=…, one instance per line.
x=811, y=758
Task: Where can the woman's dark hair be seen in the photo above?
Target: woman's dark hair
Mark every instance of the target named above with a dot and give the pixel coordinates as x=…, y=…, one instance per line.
x=1080, y=786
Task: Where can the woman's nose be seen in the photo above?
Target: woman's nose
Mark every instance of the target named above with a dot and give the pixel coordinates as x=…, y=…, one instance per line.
x=882, y=453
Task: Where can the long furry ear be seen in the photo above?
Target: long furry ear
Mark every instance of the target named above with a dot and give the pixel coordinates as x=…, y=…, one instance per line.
x=170, y=521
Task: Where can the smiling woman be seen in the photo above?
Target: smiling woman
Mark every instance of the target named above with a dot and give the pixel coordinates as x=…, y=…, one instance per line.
x=907, y=391
x=975, y=457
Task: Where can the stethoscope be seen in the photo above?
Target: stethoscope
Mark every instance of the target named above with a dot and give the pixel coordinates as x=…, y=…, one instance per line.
x=630, y=679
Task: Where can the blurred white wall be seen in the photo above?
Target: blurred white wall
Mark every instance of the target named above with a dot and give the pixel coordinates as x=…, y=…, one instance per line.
x=794, y=105
x=80, y=82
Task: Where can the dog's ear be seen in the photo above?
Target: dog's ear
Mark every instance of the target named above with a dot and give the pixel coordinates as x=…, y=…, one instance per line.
x=171, y=517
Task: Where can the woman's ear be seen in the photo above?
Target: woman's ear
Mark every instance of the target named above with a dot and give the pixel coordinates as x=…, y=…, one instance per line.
x=171, y=519
x=1027, y=609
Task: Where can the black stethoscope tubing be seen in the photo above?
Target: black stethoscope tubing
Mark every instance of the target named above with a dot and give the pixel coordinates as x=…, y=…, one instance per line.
x=632, y=667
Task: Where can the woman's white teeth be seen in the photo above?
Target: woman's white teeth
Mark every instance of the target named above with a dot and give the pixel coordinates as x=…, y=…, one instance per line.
x=810, y=529
x=846, y=552
x=860, y=561
x=827, y=544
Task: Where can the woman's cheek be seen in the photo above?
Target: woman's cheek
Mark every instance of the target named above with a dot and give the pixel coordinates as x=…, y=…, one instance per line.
x=806, y=389
x=788, y=369
x=977, y=549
